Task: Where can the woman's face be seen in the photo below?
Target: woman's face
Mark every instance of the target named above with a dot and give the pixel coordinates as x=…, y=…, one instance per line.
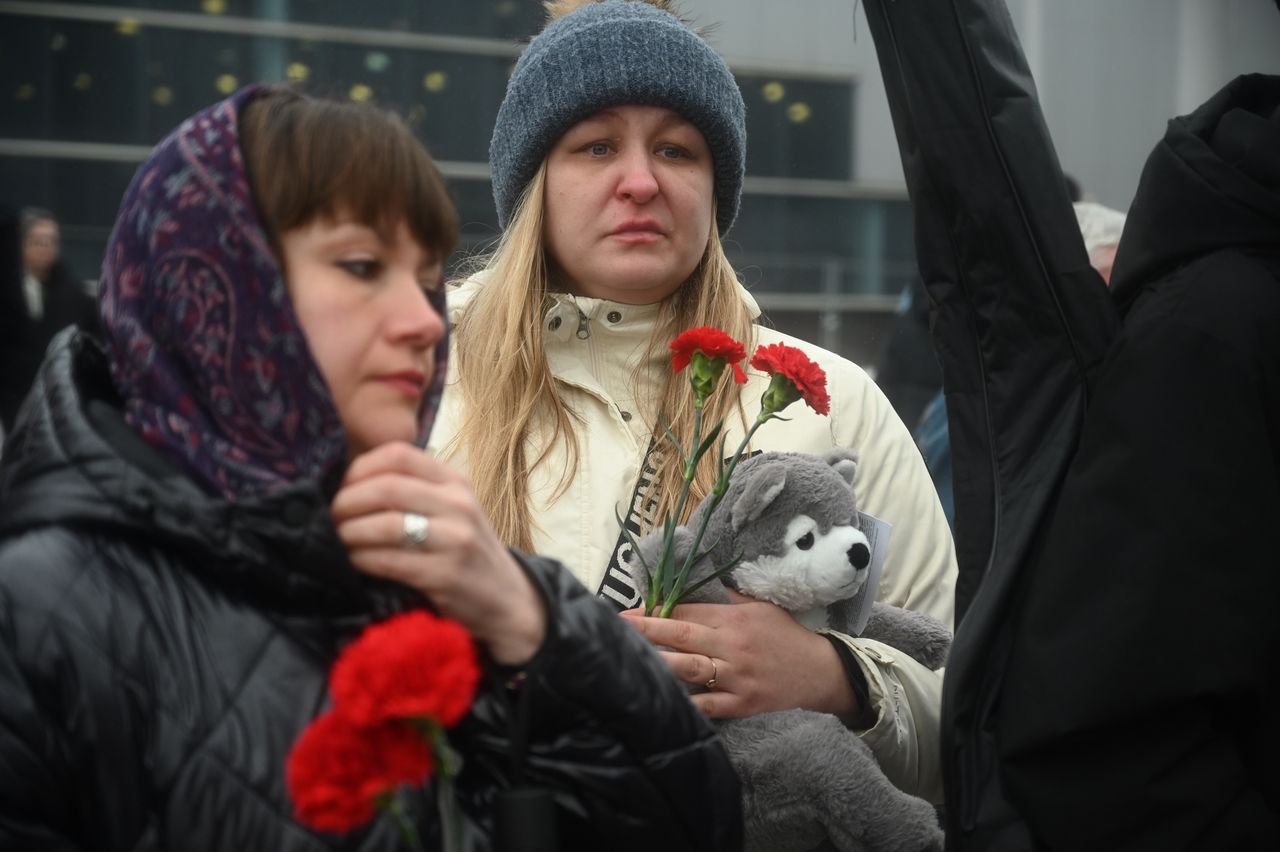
x=628, y=204
x=363, y=304
x=40, y=248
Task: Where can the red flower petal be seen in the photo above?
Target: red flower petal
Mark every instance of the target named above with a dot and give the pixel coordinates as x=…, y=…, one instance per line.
x=791, y=362
x=412, y=666
x=713, y=343
x=337, y=769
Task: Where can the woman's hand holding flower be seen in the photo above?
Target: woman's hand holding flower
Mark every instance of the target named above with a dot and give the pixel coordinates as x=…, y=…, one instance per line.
x=461, y=566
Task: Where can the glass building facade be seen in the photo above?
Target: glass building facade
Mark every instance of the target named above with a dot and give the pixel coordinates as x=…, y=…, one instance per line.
x=90, y=85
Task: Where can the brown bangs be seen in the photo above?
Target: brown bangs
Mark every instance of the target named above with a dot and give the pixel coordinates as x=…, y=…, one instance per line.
x=309, y=158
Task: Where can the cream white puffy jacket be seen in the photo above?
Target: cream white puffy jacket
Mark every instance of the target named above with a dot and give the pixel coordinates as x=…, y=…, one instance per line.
x=593, y=347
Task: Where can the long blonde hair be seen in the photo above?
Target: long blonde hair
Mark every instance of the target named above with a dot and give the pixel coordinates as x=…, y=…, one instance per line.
x=513, y=414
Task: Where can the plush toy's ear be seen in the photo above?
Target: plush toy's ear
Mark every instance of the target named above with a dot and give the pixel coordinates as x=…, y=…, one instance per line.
x=844, y=461
x=761, y=491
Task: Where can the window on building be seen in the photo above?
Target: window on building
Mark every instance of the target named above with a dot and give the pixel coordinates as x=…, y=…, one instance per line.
x=90, y=86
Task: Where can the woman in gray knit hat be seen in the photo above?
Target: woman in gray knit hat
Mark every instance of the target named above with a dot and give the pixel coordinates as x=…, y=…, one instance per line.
x=617, y=159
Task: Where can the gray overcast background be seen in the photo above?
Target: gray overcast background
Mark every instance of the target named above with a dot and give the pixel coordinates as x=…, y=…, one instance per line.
x=824, y=239
x=1110, y=72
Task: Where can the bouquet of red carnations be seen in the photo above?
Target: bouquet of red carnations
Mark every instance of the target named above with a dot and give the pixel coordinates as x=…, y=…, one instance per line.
x=705, y=352
x=395, y=690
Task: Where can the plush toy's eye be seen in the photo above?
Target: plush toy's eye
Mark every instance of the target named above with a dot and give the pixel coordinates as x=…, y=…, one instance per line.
x=805, y=541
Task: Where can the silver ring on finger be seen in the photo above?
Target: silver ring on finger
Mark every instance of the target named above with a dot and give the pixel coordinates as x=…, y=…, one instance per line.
x=715, y=672
x=415, y=531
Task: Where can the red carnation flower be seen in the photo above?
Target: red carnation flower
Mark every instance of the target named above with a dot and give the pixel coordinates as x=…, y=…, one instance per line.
x=412, y=666
x=807, y=379
x=711, y=342
x=338, y=770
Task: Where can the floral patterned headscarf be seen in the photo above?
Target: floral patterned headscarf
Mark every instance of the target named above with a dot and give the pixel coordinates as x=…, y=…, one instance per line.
x=206, y=349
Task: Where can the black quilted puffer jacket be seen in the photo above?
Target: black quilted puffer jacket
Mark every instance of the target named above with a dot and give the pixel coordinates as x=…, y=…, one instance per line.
x=161, y=650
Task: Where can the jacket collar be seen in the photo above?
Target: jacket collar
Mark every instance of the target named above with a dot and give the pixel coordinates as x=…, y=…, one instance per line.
x=592, y=344
x=73, y=462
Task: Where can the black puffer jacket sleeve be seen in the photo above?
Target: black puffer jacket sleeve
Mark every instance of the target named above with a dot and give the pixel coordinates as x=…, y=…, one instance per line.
x=633, y=764
x=28, y=801
x=33, y=807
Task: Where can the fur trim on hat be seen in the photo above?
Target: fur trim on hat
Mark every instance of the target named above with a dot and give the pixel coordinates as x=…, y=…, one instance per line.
x=560, y=8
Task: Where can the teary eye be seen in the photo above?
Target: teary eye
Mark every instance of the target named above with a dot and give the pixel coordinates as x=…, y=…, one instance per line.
x=805, y=541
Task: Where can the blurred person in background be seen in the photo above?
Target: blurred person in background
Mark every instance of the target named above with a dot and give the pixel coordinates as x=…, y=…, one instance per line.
x=906, y=368
x=1101, y=228
x=13, y=315
x=52, y=298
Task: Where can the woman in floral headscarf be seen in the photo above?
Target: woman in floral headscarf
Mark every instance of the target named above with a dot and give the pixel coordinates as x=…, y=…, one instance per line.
x=195, y=518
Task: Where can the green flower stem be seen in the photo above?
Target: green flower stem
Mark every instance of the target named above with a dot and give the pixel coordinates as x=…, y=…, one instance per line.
x=717, y=494
x=659, y=589
x=722, y=482
x=448, y=764
x=780, y=393
x=665, y=590
x=392, y=804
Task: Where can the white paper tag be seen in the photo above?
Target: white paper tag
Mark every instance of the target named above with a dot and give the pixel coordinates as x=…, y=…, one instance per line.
x=877, y=533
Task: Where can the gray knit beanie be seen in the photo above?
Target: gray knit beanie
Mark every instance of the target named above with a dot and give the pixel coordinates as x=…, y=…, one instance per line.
x=613, y=53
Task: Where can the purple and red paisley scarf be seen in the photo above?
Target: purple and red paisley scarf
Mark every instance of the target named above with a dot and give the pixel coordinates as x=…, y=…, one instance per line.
x=205, y=347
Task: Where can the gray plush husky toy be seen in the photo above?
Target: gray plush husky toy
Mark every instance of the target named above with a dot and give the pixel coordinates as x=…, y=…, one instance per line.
x=808, y=781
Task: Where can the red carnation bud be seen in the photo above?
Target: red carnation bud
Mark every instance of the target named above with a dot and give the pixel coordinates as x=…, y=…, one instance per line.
x=794, y=377
x=338, y=771
x=716, y=348
x=412, y=666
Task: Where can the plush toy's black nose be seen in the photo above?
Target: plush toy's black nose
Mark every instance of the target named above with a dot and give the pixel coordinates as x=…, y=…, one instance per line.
x=859, y=556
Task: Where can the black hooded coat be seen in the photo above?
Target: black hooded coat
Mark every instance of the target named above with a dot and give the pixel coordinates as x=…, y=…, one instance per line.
x=1141, y=706
x=1072, y=716
x=1020, y=322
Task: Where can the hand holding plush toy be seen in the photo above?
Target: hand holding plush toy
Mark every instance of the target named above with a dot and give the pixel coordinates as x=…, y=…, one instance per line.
x=790, y=521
